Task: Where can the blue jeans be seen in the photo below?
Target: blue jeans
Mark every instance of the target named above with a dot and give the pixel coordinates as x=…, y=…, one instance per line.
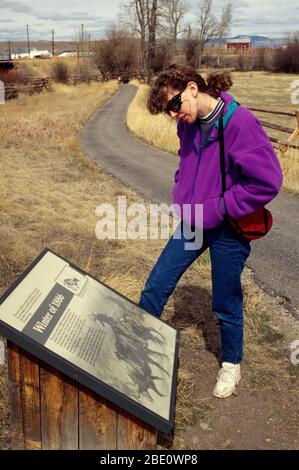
x=228, y=253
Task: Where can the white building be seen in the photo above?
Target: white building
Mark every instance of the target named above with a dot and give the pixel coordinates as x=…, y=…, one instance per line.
x=67, y=54
x=75, y=53
x=34, y=54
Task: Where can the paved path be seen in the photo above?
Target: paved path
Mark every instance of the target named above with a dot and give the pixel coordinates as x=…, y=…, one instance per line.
x=105, y=138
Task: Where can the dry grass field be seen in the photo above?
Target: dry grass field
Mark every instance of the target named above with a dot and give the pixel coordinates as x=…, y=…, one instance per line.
x=50, y=190
x=253, y=89
x=40, y=68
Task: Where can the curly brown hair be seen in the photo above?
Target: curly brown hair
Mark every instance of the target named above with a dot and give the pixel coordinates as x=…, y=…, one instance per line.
x=177, y=77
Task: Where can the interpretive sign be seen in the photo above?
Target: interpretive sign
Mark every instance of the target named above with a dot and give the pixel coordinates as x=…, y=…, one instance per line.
x=96, y=336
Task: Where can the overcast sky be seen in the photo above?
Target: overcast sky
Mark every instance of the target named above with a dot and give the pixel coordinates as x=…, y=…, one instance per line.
x=271, y=18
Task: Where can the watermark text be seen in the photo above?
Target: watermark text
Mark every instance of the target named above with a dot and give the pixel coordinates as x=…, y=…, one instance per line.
x=154, y=221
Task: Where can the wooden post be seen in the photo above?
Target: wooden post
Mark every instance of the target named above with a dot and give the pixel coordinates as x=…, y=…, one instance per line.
x=97, y=422
x=15, y=396
x=292, y=137
x=50, y=411
x=30, y=401
x=134, y=434
x=59, y=410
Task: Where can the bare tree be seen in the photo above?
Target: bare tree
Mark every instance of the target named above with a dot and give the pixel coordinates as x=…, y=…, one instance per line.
x=142, y=22
x=173, y=12
x=208, y=25
x=152, y=20
x=286, y=60
x=136, y=16
x=191, y=46
x=224, y=24
x=143, y=17
x=117, y=53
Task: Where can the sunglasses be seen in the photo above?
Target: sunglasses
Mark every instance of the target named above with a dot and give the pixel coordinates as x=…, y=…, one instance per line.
x=174, y=104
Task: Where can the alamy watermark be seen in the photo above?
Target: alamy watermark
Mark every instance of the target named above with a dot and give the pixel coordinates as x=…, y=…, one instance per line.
x=294, y=347
x=295, y=93
x=153, y=221
x=2, y=92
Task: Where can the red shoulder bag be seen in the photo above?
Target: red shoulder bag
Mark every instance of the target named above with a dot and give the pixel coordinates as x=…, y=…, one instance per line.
x=252, y=226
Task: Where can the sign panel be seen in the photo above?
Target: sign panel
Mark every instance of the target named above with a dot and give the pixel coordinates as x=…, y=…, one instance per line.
x=94, y=335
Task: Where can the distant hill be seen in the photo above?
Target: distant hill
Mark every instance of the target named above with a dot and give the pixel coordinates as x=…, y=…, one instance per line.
x=253, y=38
x=256, y=41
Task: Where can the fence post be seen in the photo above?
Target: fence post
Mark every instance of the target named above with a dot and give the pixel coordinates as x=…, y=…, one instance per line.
x=283, y=146
x=292, y=137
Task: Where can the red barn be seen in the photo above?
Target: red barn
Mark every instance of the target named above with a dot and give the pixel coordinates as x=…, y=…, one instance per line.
x=238, y=44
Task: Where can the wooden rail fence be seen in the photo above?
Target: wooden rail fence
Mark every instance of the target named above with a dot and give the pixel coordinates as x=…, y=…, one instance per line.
x=74, y=79
x=34, y=85
x=282, y=145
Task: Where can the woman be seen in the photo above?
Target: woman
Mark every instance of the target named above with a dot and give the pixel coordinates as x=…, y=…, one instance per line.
x=253, y=179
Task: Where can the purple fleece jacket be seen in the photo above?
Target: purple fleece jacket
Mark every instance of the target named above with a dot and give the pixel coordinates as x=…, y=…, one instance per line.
x=253, y=172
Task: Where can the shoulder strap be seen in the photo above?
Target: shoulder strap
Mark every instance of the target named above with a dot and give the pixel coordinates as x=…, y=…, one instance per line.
x=222, y=150
x=222, y=153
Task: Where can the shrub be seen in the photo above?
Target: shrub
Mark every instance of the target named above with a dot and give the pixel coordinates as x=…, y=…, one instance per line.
x=244, y=63
x=60, y=71
x=163, y=56
x=191, y=49
x=117, y=53
x=263, y=60
x=26, y=69
x=82, y=71
x=13, y=76
x=209, y=60
x=260, y=60
x=227, y=61
x=286, y=60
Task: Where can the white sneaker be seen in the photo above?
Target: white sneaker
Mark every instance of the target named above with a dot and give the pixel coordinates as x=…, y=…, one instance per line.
x=227, y=380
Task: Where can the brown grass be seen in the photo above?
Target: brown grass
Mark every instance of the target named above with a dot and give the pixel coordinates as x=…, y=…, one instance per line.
x=42, y=67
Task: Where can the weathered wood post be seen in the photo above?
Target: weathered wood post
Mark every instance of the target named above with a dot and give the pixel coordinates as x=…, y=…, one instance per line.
x=50, y=411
